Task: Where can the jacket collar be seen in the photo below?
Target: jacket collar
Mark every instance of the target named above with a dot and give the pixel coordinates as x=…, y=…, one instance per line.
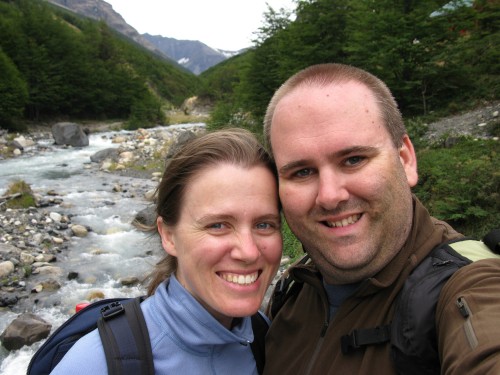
x=189, y=324
x=426, y=233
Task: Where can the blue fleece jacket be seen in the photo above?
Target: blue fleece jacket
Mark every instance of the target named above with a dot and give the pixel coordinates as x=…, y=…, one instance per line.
x=185, y=339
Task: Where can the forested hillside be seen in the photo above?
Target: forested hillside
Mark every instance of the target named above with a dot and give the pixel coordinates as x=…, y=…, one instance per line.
x=438, y=58
x=55, y=64
x=434, y=55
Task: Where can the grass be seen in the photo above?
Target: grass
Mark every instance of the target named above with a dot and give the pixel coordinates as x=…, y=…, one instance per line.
x=25, y=200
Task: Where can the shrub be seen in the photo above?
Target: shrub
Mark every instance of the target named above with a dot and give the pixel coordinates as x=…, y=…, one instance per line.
x=22, y=195
x=291, y=245
x=461, y=185
x=146, y=113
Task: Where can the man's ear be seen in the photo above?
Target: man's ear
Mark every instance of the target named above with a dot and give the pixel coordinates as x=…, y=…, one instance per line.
x=409, y=161
x=167, y=237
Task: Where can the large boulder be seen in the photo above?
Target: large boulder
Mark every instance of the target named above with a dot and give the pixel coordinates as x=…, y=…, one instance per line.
x=145, y=217
x=180, y=141
x=107, y=153
x=69, y=133
x=26, y=329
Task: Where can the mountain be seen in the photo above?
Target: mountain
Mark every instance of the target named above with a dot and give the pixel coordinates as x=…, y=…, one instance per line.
x=192, y=55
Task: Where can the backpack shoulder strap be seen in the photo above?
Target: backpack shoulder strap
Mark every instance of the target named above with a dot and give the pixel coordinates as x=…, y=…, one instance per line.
x=284, y=289
x=260, y=326
x=125, y=338
x=413, y=331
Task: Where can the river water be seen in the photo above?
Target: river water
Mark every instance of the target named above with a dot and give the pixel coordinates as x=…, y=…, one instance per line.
x=112, y=250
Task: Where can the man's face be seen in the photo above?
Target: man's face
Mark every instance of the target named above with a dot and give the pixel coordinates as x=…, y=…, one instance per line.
x=344, y=186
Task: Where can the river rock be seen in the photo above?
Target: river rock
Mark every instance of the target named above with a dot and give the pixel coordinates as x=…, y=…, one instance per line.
x=55, y=216
x=21, y=142
x=49, y=285
x=126, y=157
x=79, y=230
x=150, y=195
x=94, y=295
x=69, y=133
x=146, y=216
x=26, y=329
x=8, y=299
x=182, y=139
x=107, y=153
x=6, y=268
x=8, y=250
x=26, y=258
x=48, y=270
x=128, y=281
x=119, y=139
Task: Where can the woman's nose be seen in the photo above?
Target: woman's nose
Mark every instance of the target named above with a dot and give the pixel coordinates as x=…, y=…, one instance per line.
x=246, y=248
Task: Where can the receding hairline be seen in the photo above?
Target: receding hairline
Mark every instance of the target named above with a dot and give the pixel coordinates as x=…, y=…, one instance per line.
x=323, y=75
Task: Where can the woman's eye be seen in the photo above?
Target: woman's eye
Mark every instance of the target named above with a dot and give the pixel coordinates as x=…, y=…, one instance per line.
x=264, y=226
x=268, y=226
x=216, y=226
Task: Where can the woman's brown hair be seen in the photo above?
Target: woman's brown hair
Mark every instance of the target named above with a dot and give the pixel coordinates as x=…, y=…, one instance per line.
x=234, y=146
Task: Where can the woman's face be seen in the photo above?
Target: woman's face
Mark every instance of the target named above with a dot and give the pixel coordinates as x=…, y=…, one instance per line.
x=227, y=240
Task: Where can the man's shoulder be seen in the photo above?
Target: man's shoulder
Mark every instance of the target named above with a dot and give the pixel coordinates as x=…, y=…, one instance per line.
x=480, y=273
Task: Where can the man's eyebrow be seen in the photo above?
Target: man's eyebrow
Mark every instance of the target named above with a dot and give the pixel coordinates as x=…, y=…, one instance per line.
x=355, y=150
x=292, y=165
x=339, y=154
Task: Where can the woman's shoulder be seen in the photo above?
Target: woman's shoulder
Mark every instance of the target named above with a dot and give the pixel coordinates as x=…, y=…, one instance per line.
x=86, y=356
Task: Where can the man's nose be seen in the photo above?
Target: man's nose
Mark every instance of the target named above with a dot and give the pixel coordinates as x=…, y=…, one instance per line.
x=332, y=189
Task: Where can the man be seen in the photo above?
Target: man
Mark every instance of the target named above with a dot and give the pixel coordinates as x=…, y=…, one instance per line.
x=346, y=166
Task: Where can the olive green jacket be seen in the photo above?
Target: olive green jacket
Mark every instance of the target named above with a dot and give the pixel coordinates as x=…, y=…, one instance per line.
x=301, y=340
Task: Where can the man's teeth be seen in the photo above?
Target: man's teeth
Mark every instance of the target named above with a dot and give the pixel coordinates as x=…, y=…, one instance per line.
x=240, y=279
x=344, y=222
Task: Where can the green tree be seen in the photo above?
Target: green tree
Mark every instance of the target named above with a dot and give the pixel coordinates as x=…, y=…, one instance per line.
x=461, y=184
x=316, y=36
x=13, y=92
x=412, y=46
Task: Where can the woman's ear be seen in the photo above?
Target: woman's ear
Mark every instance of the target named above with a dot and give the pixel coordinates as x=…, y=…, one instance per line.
x=167, y=237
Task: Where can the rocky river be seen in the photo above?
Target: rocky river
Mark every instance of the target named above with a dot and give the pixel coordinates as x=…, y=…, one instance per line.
x=78, y=242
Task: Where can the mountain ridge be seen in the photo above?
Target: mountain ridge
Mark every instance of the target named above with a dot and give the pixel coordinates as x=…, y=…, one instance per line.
x=192, y=55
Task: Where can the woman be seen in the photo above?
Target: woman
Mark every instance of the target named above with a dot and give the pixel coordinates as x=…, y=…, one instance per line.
x=219, y=222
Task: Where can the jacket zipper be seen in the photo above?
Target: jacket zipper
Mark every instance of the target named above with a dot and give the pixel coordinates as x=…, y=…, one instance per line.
x=319, y=344
x=465, y=311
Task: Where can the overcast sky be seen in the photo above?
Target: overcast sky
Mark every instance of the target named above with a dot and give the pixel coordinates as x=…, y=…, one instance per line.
x=223, y=24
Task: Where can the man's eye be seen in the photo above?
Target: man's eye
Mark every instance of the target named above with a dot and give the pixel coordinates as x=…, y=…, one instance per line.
x=354, y=160
x=303, y=172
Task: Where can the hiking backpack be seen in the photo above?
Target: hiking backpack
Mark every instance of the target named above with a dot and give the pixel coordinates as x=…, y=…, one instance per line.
x=412, y=333
x=124, y=336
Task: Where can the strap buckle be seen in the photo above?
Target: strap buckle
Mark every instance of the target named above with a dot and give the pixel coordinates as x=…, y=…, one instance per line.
x=112, y=310
x=363, y=337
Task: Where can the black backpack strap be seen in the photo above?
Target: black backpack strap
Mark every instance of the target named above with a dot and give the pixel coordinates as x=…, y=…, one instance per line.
x=260, y=327
x=284, y=288
x=125, y=338
x=364, y=337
